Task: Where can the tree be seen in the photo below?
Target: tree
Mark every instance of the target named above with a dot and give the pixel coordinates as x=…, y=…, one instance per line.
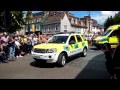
x=16, y=20
x=109, y=22
x=112, y=20
x=2, y=28
x=117, y=19
x=11, y=21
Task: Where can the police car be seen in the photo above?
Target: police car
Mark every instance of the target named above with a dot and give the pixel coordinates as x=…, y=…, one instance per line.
x=60, y=47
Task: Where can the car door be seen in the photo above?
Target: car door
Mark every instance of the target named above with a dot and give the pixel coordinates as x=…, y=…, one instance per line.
x=79, y=44
x=113, y=40
x=71, y=45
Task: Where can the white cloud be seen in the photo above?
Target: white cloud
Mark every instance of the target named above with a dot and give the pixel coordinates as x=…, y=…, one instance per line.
x=104, y=15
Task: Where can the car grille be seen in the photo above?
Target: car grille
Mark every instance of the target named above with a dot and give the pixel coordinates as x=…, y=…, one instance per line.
x=39, y=50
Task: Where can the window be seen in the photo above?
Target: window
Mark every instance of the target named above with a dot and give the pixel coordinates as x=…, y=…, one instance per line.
x=56, y=27
x=58, y=39
x=106, y=32
x=44, y=28
x=78, y=38
x=76, y=21
x=72, y=39
x=35, y=27
x=114, y=33
x=36, y=20
x=39, y=19
x=65, y=26
x=65, y=30
x=72, y=21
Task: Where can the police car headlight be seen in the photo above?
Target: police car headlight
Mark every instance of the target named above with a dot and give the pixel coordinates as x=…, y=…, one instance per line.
x=51, y=50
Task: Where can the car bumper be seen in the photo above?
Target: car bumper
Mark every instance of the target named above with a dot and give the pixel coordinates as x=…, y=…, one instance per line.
x=48, y=57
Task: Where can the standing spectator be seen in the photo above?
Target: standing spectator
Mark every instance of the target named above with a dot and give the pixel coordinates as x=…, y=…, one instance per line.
x=2, y=56
x=21, y=39
x=29, y=44
x=25, y=46
x=17, y=48
x=11, y=45
x=5, y=48
x=35, y=40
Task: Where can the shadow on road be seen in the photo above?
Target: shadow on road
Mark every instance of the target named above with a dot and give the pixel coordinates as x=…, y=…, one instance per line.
x=95, y=69
x=93, y=48
x=51, y=65
x=43, y=65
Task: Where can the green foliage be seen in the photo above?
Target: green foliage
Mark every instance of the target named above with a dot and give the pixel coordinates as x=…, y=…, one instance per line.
x=7, y=20
x=112, y=21
x=117, y=19
x=17, y=21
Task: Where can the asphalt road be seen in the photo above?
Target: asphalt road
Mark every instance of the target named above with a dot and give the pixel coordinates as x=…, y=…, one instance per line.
x=90, y=67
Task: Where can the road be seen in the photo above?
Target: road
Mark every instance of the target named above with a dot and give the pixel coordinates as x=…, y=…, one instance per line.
x=90, y=67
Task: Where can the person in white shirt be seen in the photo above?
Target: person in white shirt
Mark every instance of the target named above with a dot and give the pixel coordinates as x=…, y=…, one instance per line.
x=17, y=48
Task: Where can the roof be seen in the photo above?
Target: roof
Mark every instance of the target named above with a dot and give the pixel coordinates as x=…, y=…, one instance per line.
x=53, y=16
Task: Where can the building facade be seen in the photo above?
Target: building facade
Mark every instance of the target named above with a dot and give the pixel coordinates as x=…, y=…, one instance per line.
x=52, y=22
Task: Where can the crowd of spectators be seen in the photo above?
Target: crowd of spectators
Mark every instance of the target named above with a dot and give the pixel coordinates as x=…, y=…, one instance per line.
x=14, y=45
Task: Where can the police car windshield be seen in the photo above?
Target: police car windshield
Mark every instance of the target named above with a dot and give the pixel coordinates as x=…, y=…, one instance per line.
x=58, y=39
x=106, y=33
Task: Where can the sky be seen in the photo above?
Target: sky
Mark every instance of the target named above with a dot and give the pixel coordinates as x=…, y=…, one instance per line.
x=100, y=16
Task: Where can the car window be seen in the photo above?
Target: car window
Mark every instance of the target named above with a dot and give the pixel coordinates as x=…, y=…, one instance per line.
x=84, y=37
x=78, y=38
x=58, y=39
x=72, y=39
x=106, y=33
x=114, y=33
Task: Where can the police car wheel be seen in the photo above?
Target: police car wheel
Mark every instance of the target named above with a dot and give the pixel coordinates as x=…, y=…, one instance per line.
x=84, y=53
x=62, y=59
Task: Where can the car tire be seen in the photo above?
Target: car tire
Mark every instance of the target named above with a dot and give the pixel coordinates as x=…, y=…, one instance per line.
x=62, y=59
x=84, y=52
